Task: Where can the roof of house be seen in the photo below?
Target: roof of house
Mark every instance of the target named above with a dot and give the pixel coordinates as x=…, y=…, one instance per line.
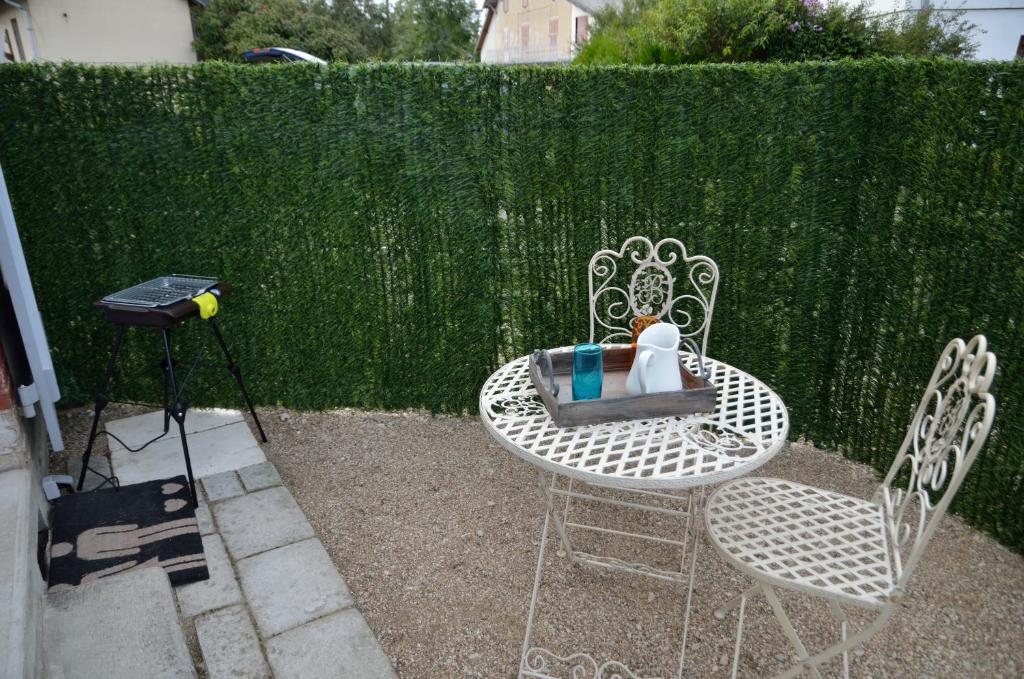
x=491, y=6
x=595, y=6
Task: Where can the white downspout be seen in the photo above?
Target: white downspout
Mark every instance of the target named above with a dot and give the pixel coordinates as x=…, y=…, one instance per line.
x=43, y=390
x=28, y=27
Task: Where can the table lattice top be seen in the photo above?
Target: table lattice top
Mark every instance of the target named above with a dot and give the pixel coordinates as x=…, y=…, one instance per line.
x=747, y=428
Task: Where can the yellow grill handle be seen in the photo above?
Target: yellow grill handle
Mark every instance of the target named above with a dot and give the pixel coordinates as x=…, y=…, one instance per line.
x=207, y=303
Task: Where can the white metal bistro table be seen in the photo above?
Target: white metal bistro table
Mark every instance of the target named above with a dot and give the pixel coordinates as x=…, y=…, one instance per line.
x=660, y=461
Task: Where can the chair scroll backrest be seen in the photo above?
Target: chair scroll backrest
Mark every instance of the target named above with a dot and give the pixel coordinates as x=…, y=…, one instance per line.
x=665, y=283
x=949, y=428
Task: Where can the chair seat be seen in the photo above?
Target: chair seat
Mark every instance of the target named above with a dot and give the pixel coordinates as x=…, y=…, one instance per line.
x=804, y=538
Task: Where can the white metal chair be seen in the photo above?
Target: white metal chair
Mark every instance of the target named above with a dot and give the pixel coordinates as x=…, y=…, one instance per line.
x=641, y=278
x=666, y=283
x=849, y=551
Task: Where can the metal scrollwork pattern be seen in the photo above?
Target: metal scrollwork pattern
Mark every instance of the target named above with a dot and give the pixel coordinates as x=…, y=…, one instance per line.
x=523, y=405
x=948, y=430
x=543, y=664
x=651, y=290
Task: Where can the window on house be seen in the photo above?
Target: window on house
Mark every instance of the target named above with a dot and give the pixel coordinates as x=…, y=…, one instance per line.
x=1020, y=48
x=525, y=3
x=524, y=35
x=553, y=32
x=17, y=40
x=581, y=29
x=506, y=37
x=504, y=5
x=8, y=50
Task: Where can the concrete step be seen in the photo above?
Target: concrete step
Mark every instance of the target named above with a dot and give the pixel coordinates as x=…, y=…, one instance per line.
x=121, y=627
x=218, y=441
x=21, y=584
x=138, y=429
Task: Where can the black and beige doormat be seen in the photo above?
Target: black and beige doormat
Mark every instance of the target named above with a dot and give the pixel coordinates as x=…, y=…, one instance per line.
x=111, y=531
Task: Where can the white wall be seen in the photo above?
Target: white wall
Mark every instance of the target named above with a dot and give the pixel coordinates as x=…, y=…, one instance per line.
x=108, y=31
x=503, y=42
x=1001, y=22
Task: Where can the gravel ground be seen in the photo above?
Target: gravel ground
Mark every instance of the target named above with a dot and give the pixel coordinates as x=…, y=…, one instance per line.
x=436, y=528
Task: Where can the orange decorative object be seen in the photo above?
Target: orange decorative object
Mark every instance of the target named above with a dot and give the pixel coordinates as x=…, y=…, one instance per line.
x=641, y=323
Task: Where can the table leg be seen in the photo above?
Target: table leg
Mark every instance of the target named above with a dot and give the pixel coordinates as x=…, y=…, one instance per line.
x=535, y=661
x=523, y=667
x=549, y=502
x=693, y=524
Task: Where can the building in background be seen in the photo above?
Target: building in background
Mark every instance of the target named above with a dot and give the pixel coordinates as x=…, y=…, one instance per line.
x=98, y=31
x=535, y=31
x=1000, y=23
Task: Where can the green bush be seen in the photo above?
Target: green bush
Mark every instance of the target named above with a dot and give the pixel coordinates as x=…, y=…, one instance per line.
x=710, y=31
x=396, y=232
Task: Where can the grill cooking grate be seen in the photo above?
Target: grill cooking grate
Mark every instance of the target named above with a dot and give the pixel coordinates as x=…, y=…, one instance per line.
x=161, y=291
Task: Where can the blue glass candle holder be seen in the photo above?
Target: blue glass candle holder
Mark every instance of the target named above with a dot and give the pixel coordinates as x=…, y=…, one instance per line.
x=587, y=372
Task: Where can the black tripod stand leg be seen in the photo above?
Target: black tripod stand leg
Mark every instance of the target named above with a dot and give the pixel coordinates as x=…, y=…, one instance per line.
x=167, y=385
x=101, y=402
x=237, y=374
x=177, y=411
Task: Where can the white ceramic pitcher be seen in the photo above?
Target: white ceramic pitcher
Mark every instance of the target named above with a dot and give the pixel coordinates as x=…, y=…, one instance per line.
x=656, y=366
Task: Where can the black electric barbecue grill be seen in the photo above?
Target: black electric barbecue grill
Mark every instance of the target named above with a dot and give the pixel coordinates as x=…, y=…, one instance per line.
x=162, y=304
x=162, y=291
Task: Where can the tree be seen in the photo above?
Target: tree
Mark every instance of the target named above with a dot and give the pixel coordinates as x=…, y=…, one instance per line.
x=227, y=28
x=926, y=33
x=699, y=31
x=435, y=30
x=378, y=27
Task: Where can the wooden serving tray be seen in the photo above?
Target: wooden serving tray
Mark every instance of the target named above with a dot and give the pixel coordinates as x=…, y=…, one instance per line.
x=699, y=395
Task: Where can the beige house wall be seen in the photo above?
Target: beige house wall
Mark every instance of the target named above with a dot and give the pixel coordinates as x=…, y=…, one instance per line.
x=105, y=31
x=550, y=26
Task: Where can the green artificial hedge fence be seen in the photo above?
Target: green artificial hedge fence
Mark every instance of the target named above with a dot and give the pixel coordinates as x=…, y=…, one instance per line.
x=395, y=232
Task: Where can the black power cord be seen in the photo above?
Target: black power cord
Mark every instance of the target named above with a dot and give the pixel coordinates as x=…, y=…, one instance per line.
x=112, y=480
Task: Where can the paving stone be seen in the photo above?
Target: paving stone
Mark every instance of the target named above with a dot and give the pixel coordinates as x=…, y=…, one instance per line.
x=123, y=626
x=97, y=463
x=342, y=642
x=204, y=519
x=292, y=585
x=222, y=486
x=230, y=646
x=21, y=587
x=212, y=451
x=260, y=521
x=260, y=476
x=141, y=428
x=219, y=591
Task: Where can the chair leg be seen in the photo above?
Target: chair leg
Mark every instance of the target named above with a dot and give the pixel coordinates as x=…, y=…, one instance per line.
x=808, y=663
x=788, y=629
x=839, y=615
x=732, y=603
x=739, y=634
x=842, y=647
